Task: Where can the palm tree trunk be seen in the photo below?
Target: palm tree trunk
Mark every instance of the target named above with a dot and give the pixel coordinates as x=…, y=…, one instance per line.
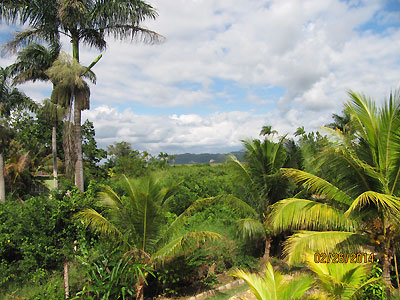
x=66, y=281
x=397, y=272
x=78, y=148
x=75, y=48
x=2, y=185
x=54, y=151
x=387, y=263
x=265, y=258
x=140, y=288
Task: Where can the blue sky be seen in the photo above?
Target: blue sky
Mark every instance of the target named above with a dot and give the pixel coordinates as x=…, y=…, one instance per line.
x=229, y=67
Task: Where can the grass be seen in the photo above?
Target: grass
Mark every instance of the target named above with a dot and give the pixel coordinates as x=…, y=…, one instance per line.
x=229, y=293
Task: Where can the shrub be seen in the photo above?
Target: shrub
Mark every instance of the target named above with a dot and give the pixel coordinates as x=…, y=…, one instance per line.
x=37, y=235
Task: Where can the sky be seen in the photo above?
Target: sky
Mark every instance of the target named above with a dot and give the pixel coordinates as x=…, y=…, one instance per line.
x=229, y=67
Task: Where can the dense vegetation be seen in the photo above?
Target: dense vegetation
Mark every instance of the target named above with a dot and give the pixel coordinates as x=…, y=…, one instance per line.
x=81, y=222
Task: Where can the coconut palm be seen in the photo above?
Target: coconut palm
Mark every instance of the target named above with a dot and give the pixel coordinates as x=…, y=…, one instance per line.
x=82, y=21
x=263, y=183
x=274, y=286
x=10, y=98
x=299, y=131
x=341, y=122
x=361, y=209
x=267, y=131
x=136, y=221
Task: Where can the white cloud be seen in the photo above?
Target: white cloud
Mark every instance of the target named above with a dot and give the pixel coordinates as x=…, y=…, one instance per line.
x=314, y=50
x=175, y=133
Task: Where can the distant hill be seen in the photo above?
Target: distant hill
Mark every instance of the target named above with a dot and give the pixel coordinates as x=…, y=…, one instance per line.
x=205, y=158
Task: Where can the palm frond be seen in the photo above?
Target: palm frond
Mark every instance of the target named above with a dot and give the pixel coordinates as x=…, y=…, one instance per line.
x=250, y=229
x=273, y=286
x=343, y=146
x=262, y=288
x=97, y=223
x=184, y=243
x=364, y=111
x=297, y=287
x=241, y=169
x=303, y=242
x=300, y=214
x=389, y=205
x=110, y=198
x=318, y=185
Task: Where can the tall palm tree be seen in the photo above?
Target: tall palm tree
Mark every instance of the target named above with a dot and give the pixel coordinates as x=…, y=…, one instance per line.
x=10, y=98
x=54, y=113
x=342, y=123
x=136, y=221
x=82, y=21
x=86, y=21
x=31, y=65
x=264, y=185
x=71, y=88
x=267, y=131
x=361, y=209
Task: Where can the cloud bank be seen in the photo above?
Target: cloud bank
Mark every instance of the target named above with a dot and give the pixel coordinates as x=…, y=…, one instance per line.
x=229, y=67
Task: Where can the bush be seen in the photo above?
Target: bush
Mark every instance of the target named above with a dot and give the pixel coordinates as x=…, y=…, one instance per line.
x=37, y=235
x=198, y=181
x=376, y=290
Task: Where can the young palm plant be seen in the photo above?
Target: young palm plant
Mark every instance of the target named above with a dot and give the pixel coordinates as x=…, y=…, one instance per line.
x=359, y=209
x=340, y=280
x=274, y=286
x=136, y=221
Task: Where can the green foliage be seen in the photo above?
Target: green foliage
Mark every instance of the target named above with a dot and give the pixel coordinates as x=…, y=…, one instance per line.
x=43, y=285
x=198, y=181
x=31, y=135
x=91, y=154
x=195, y=270
x=124, y=160
x=222, y=254
x=311, y=145
x=109, y=275
x=375, y=290
x=39, y=233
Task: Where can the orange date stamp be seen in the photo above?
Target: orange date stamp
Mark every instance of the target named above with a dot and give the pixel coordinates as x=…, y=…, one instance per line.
x=343, y=258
